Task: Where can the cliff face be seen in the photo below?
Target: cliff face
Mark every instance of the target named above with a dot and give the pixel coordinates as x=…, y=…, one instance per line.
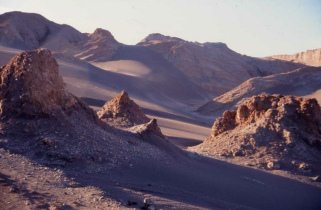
x=309, y=57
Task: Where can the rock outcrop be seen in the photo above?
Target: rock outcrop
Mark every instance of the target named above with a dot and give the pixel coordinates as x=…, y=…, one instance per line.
x=31, y=86
x=147, y=129
x=122, y=111
x=269, y=131
x=309, y=57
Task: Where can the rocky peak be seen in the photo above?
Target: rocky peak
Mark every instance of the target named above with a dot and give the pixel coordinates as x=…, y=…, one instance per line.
x=122, y=111
x=150, y=128
x=102, y=35
x=157, y=37
x=31, y=86
x=266, y=110
x=100, y=46
x=30, y=31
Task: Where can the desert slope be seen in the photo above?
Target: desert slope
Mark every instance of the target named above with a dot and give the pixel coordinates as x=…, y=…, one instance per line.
x=212, y=66
x=55, y=153
x=28, y=31
x=309, y=57
x=301, y=82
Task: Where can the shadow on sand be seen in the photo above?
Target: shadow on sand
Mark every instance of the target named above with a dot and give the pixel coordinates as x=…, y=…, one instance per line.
x=196, y=181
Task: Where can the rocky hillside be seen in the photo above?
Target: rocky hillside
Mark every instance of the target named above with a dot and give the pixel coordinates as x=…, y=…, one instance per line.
x=122, y=111
x=60, y=128
x=300, y=82
x=99, y=46
x=30, y=31
x=47, y=134
x=212, y=66
x=309, y=57
x=270, y=131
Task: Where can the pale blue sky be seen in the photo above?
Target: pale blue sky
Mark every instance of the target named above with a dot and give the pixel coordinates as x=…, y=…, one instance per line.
x=257, y=28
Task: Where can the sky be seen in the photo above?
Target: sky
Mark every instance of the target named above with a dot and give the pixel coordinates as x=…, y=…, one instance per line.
x=251, y=27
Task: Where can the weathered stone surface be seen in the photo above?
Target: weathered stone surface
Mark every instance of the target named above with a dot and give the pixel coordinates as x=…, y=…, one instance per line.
x=122, y=111
x=285, y=129
x=150, y=128
x=31, y=86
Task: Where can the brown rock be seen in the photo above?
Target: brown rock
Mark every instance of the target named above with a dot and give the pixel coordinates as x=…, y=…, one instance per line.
x=284, y=129
x=122, y=111
x=227, y=122
x=150, y=128
x=31, y=86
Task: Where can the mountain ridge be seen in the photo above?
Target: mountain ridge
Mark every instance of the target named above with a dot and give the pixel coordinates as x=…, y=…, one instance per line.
x=309, y=57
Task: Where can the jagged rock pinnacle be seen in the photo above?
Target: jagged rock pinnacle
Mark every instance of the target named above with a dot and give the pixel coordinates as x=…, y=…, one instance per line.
x=148, y=128
x=31, y=86
x=122, y=111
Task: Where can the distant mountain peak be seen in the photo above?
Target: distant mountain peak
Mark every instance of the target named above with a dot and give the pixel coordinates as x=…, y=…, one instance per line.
x=101, y=33
x=154, y=37
x=30, y=31
x=22, y=14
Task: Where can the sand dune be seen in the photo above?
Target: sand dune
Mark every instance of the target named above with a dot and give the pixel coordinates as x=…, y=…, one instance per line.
x=127, y=67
